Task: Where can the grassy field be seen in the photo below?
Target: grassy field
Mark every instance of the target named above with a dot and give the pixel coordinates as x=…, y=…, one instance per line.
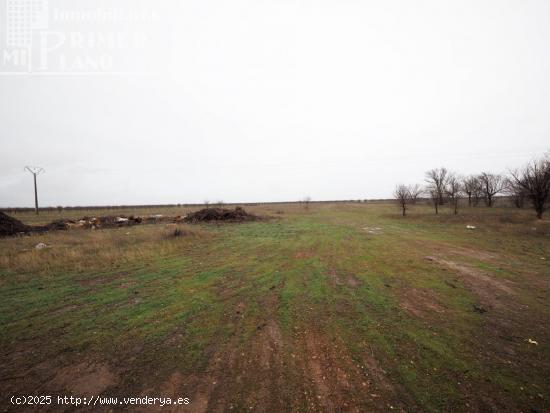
x=342, y=307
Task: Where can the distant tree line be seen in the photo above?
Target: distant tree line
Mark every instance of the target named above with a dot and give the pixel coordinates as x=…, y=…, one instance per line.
x=531, y=183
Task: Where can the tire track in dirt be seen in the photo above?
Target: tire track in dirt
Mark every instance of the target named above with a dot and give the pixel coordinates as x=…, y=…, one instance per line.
x=336, y=382
x=265, y=373
x=243, y=375
x=203, y=388
x=489, y=289
x=506, y=322
x=421, y=303
x=209, y=390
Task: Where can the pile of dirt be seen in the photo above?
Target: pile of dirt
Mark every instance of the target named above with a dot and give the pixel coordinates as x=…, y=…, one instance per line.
x=220, y=214
x=93, y=223
x=59, y=224
x=11, y=226
x=115, y=221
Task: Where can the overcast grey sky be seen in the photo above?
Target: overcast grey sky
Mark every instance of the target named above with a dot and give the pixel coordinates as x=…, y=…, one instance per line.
x=275, y=100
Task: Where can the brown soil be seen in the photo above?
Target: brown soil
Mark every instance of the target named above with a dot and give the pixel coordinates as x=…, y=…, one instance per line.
x=258, y=375
x=353, y=281
x=220, y=214
x=335, y=278
x=349, y=280
x=445, y=249
x=85, y=379
x=504, y=330
x=338, y=383
x=304, y=254
x=420, y=302
x=11, y=226
x=488, y=288
x=473, y=253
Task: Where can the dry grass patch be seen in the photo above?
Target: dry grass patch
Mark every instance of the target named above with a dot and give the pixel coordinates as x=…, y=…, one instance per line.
x=83, y=250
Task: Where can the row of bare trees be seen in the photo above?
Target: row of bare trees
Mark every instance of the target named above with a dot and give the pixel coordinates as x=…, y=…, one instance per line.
x=529, y=183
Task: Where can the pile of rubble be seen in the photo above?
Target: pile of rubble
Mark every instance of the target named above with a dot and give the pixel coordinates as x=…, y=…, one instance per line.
x=11, y=226
x=106, y=222
x=219, y=214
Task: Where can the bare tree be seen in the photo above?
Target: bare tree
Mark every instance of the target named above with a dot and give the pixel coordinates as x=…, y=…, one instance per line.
x=402, y=194
x=516, y=192
x=306, y=201
x=436, y=179
x=478, y=194
x=491, y=184
x=534, y=178
x=453, y=188
x=415, y=191
x=471, y=187
x=434, y=196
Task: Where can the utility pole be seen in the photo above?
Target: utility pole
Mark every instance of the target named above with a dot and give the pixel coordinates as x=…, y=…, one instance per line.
x=35, y=170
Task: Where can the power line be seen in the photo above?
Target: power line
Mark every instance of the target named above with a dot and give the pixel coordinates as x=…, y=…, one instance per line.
x=35, y=170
